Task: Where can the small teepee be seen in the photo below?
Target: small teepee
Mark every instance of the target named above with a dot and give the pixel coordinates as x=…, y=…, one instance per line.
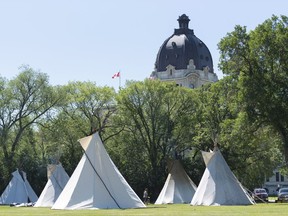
x=18, y=190
x=96, y=182
x=178, y=187
x=218, y=185
x=57, y=179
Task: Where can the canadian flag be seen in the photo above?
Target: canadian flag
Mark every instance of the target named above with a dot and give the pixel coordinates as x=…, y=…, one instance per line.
x=116, y=75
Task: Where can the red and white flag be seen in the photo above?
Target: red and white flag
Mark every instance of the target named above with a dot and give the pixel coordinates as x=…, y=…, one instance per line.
x=116, y=75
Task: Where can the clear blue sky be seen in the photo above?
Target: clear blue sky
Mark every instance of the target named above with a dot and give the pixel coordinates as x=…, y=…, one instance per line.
x=90, y=40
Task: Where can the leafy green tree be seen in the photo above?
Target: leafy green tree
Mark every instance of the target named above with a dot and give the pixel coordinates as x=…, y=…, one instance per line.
x=258, y=61
x=215, y=103
x=57, y=142
x=25, y=100
x=95, y=105
x=85, y=108
x=27, y=157
x=156, y=122
x=250, y=151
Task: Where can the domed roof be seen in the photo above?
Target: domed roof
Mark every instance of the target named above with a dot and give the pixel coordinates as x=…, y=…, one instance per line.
x=182, y=46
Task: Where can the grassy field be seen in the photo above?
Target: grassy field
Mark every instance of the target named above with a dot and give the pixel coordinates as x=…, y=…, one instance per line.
x=167, y=210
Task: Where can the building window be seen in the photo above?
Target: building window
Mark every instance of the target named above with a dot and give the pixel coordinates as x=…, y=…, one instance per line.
x=282, y=178
x=171, y=72
x=174, y=44
x=277, y=176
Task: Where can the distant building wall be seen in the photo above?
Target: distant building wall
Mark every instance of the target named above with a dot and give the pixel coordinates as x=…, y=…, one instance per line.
x=275, y=182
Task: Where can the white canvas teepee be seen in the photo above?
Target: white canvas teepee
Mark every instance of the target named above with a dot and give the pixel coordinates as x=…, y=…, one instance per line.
x=218, y=185
x=178, y=187
x=57, y=179
x=96, y=182
x=18, y=190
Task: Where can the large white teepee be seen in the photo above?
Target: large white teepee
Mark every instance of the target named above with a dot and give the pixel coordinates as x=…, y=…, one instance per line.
x=57, y=179
x=218, y=185
x=96, y=182
x=18, y=190
x=178, y=187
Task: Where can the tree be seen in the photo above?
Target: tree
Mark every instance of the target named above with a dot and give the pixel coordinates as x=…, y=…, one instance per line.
x=156, y=122
x=25, y=100
x=95, y=105
x=84, y=109
x=215, y=104
x=250, y=151
x=258, y=60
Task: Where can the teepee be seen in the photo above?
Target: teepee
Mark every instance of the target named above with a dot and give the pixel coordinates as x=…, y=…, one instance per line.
x=96, y=183
x=18, y=190
x=178, y=187
x=218, y=185
x=57, y=179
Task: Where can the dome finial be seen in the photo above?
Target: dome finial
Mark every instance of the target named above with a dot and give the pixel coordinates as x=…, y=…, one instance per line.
x=183, y=21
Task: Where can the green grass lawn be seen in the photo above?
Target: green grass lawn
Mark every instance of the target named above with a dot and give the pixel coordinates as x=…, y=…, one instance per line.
x=167, y=210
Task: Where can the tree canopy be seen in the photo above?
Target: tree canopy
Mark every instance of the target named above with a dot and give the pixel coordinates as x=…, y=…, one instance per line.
x=258, y=61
